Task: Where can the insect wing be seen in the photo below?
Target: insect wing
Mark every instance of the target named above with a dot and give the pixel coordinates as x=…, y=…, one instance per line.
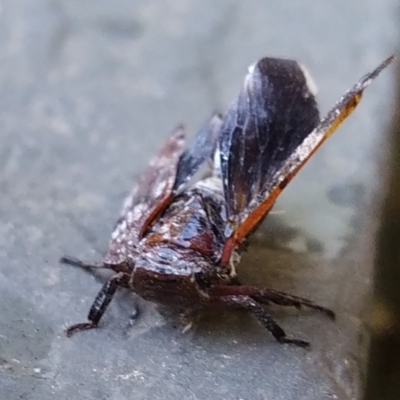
x=148, y=198
x=249, y=207
x=201, y=149
x=272, y=115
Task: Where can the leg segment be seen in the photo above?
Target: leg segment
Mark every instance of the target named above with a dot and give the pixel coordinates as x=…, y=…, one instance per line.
x=265, y=296
x=78, y=263
x=123, y=267
x=249, y=304
x=284, y=299
x=100, y=303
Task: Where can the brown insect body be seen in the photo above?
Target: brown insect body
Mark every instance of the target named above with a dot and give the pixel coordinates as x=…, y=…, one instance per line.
x=179, y=255
x=175, y=242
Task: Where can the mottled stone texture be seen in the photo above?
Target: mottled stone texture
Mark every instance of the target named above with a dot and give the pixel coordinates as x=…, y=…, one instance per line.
x=89, y=90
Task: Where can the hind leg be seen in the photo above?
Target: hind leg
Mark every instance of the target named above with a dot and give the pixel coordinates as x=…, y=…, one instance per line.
x=249, y=298
x=266, y=296
x=242, y=302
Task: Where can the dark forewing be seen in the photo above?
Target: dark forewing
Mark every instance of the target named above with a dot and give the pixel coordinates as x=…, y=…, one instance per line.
x=272, y=115
x=149, y=196
x=201, y=149
x=244, y=218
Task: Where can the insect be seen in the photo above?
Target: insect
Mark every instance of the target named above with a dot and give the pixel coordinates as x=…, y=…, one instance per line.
x=176, y=241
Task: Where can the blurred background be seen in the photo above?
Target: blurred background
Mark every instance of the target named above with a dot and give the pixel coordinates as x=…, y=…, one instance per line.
x=89, y=91
x=384, y=364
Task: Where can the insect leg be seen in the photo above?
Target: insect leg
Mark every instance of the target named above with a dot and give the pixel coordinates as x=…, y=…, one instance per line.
x=266, y=296
x=78, y=263
x=100, y=303
x=249, y=304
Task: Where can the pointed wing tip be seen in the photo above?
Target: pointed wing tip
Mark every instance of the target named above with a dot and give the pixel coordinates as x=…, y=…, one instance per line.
x=383, y=65
x=387, y=62
x=367, y=79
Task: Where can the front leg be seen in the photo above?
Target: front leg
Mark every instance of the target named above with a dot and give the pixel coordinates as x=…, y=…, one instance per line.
x=100, y=303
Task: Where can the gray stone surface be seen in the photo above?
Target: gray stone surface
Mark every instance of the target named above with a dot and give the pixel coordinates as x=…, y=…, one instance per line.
x=89, y=90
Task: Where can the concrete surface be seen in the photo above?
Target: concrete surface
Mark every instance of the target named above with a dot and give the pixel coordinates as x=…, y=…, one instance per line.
x=89, y=90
